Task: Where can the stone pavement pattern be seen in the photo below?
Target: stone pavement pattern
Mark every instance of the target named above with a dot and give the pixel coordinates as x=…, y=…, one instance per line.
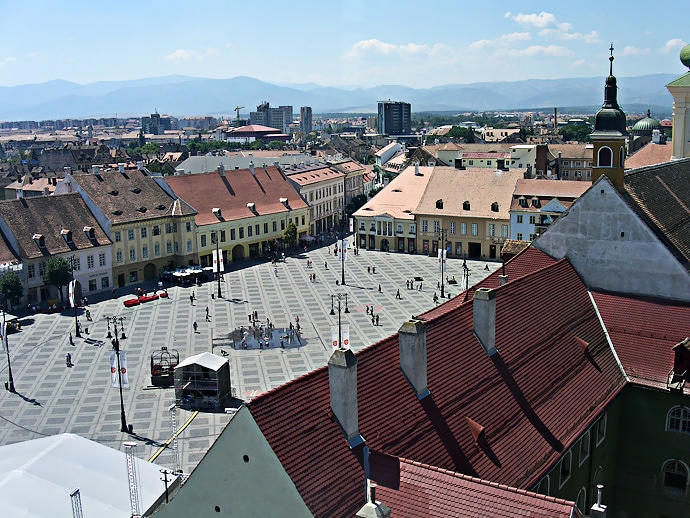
x=53, y=399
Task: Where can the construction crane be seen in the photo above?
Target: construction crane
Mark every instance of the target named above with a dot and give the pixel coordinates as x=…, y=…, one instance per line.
x=237, y=109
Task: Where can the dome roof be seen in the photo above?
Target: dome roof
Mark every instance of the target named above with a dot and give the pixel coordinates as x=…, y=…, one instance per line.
x=685, y=56
x=646, y=126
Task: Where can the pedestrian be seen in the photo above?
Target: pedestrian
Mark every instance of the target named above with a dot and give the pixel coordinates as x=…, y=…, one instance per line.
x=207, y=319
x=297, y=319
x=290, y=326
x=79, y=326
x=438, y=285
x=191, y=299
x=68, y=359
x=377, y=320
x=420, y=286
x=407, y=284
x=71, y=340
x=256, y=315
x=206, y=312
x=435, y=298
x=373, y=269
x=275, y=270
x=249, y=316
x=486, y=267
x=379, y=288
x=368, y=269
x=195, y=326
x=397, y=294
x=366, y=309
x=325, y=264
x=373, y=320
x=193, y=295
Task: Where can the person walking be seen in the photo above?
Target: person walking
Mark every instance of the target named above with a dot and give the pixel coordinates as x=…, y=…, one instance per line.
x=397, y=294
x=68, y=359
x=419, y=288
x=191, y=299
x=195, y=326
x=325, y=265
x=373, y=319
x=206, y=312
x=377, y=320
x=379, y=288
x=71, y=340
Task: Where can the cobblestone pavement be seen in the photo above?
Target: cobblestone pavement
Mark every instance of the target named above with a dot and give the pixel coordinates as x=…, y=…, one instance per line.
x=52, y=398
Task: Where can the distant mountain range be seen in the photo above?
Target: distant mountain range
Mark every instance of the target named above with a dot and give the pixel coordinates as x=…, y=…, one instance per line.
x=181, y=95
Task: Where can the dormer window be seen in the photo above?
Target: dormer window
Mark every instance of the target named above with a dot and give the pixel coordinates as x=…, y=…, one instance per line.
x=536, y=203
x=90, y=232
x=466, y=205
x=136, y=190
x=439, y=204
x=39, y=240
x=142, y=209
x=494, y=207
x=522, y=201
x=67, y=236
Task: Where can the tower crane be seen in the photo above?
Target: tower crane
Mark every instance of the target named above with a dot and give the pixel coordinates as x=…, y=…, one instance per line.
x=237, y=109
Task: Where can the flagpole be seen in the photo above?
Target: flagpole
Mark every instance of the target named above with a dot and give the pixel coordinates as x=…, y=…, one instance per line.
x=116, y=347
x=73, y=300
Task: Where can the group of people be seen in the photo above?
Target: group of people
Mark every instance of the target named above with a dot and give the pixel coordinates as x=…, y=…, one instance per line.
x=410, y=285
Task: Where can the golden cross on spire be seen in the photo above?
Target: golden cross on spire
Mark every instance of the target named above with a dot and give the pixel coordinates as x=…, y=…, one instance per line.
x=611, y=60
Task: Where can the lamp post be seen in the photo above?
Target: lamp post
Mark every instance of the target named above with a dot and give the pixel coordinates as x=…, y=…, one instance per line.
x=466, y=273
x=73, y=301
x=342, y=246
x=10, y=383
x=442, y=257
x=340, y=297
x=215, y=235
x=116, y=348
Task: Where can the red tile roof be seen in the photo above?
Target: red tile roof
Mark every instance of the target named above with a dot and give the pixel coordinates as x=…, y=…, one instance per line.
x=433, y=492
x=232, y=192
x=651, y=154
x=522, y=395
x=643, y=333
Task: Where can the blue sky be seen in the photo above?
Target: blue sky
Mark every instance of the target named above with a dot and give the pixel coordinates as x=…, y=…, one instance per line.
x=338, y=43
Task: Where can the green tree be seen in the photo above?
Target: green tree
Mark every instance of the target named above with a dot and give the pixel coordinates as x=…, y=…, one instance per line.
x=11, y=288
x=290, y=234
x=356, y=203
x=58, y=273
x=275, y=144
x=257, y=144
x=461, y=132
x=578, y=133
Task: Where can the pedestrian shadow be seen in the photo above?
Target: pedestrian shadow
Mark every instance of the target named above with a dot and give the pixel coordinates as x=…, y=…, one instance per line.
x=238, y=301
x=28, y=400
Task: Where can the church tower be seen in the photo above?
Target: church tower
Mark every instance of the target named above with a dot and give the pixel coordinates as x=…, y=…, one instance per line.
x=680, y=90
x=609, y=135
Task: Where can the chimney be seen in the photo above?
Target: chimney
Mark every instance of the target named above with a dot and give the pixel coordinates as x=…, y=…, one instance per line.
x=121, y=167
x=95, y=169
x=656, y=136
x=252, y=207
x=412, y=345
x=598, y=509
x=502, y=279
x=342, y=381
x=140, y=165
x=276, y=164
x=67, y=170
x=221, y=169
x=484, y=315
x=179, y=171
x=416, y=169
x=251, y=167
x=284, y=201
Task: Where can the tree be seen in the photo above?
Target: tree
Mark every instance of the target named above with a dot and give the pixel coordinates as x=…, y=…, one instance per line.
x=275, y=144
x=290, y=234
x=461, y=132
x=257, y=144
x=11, y=288
x=58, y=273
x=578, y=133
x=356, y=203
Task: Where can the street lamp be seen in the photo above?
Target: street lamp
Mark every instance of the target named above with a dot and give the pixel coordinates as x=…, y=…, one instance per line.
x=9, y=385
x=73, y=300
x=340, y=297
x=442, y=257
x=116, y=347
x=215, y=235
x=341, y=246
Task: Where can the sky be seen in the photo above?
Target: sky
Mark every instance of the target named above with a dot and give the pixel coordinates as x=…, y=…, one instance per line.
x=338, y=43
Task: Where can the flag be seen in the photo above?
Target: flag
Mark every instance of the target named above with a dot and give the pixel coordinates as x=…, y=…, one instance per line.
x=123, y=369
x=346, y=336
x=334, y=336
x=341, y=253
x=352, y=224
x=441, y=259
x=70, y=292
x=3, y=336
x=216, y=254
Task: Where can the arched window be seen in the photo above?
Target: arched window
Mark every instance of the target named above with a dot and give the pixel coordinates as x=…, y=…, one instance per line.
x=581, y=501
x=605, y=157
x=678, y=420
x=565, y=469
x=674, y=475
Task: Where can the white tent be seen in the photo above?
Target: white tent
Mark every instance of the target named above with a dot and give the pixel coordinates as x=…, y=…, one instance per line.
x=37, y=477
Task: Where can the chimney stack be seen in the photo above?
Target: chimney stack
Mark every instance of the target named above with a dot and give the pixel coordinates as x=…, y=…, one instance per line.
x=413, y=358
x=342, y=380
x=416, y=169
x=251, y=167
x=140, y=165
x=221, y=169
x=67, y=170
x=484, y=315
x=502, y=279
x=121, y=167
x=95, y=169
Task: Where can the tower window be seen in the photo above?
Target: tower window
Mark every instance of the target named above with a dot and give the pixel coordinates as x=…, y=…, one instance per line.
x=605, y=157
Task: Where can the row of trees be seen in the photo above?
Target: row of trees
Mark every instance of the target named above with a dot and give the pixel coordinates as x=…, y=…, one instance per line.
x=58, y=273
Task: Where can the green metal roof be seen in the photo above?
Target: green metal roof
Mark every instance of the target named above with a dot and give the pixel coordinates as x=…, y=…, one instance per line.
x=683, y=80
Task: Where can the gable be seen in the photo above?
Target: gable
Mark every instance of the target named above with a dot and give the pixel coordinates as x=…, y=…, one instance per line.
x=241, y=476
x=553, y=206
x=612, y=249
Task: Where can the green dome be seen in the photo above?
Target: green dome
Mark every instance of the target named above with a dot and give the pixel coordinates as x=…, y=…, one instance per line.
x=646, y=126
x=685, y=56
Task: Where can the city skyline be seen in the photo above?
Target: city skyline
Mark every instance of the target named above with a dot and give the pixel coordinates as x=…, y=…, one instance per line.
x=347, y=44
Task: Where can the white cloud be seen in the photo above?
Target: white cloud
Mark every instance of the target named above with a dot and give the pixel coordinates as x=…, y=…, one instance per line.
x=540, y=50
x=577, y=63
x=672, y=45
x=183, y=55
x=632, y=51
x=367, y=47
x=7, y=61
x=561, y=34
x=539, y=21
x=503, y=40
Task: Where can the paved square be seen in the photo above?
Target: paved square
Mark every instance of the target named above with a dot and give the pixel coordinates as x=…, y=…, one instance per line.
x=52, y=398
